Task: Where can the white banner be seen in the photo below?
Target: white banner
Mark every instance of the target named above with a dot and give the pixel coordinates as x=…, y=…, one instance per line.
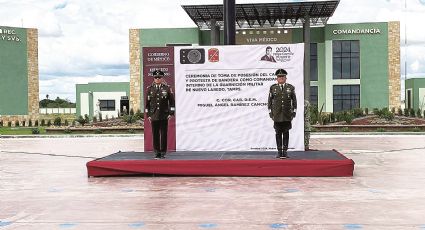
x=222, y=93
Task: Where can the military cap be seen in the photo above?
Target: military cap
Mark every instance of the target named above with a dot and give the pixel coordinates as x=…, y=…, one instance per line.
x=158, y=74
x=281, y=72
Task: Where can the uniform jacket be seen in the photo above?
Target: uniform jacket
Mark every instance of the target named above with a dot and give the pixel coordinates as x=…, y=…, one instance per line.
x=282, y=103
x=160, y=102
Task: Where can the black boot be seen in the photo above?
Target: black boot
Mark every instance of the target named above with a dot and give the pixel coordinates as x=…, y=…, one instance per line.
x=279, y=145
x=157, y=155
x=279, y=154
x=163, y=155
x=284, y=155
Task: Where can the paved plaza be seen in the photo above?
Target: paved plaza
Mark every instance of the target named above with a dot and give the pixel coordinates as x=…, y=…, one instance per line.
x=44, y=185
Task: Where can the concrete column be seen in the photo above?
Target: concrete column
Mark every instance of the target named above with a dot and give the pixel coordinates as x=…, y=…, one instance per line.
x=215, y=33
x=229, y=22
x=306, y=33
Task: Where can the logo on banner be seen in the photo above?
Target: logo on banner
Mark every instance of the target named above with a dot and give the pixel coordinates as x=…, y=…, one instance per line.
x=213, y=55
x=192, y=56
x=283, y=54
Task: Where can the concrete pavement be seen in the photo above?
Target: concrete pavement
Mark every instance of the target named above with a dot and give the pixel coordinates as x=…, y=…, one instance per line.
x=44, y=185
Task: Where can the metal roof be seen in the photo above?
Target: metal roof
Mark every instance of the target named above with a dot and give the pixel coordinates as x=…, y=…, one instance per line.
x=288, y=14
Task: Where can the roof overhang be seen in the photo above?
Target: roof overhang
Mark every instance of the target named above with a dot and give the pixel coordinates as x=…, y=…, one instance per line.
x=265, y=15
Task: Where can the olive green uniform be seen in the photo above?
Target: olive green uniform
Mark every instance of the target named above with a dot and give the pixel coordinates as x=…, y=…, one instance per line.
x=282, y=105
x=159, y=105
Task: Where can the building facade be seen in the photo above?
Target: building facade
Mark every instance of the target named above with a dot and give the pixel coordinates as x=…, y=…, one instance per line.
x=352, y=65
x=415, y=94
x=106, y=99
x=19, y=80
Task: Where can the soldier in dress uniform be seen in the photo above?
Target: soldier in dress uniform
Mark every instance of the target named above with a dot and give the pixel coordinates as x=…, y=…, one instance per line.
x=159, y=109
x=282, y=105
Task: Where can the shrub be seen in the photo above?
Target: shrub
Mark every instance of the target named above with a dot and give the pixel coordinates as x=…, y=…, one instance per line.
x=49, y=123
x=57, y=121
x=380, y=130
x=66, y=123
x=139, y=114
x=388, y=116
x=86, y=118
x=94, y=119
x=399, y=112
x=30, y=123
x=366, y=111
x=412, y=112
x=375, y=111
x=339, y=116
x=324, y=119
x=16, y=123
x=348, y=118
x=131, y=112
x=393, y=110
x=424, y=114
x=24, y=122
x=131, y=131
x=358, y=112
x=406, y=112
x=1, y=123
x=67, y=131
x=129, y=118
x=100, y=116
x=9, y=124
x=416, y=129
x=98, y=131
x=106, y=117
x=73, y=123
x=81, y=120
x=36, y=123
x=418, y=113
x=43, y=122
x=345, y=129
x=35, y=131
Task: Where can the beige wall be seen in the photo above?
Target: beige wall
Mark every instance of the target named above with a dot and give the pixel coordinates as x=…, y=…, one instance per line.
x=394, y=64
x=135, y=78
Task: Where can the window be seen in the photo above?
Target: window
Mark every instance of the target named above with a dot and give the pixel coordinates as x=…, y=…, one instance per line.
x=314, y=96
x=346, y=59
x=107, y=105
x=313, y=62
x=346, y=97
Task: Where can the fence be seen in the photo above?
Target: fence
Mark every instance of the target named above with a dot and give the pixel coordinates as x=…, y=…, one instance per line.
x=58, y=110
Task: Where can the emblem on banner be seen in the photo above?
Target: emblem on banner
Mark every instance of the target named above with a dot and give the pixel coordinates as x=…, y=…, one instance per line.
x=213, y=55
x=192, y=56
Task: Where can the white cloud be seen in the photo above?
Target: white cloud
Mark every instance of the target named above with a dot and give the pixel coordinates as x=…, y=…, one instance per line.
x=415, y=65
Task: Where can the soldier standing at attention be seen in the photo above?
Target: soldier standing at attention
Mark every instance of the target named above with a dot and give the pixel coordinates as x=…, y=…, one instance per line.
x=159, y=108
x=282, y=105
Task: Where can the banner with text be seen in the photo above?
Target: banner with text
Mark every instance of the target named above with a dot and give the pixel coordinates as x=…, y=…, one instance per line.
x=222, y=94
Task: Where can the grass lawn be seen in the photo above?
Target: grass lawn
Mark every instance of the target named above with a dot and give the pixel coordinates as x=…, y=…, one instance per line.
x=19, y=130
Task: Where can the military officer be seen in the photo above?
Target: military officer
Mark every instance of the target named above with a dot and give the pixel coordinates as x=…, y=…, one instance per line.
x=159, y=109
x=282, y=105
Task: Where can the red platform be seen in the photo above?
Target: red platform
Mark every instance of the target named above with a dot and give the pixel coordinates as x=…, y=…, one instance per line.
x=301, y=163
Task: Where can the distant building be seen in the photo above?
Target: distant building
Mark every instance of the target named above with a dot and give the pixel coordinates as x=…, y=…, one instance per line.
x=107, y=99
x=415, y=94
x=19, y=86
x=352, y=65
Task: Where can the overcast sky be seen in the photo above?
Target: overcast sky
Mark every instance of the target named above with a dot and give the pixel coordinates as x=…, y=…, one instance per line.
x=87, y=41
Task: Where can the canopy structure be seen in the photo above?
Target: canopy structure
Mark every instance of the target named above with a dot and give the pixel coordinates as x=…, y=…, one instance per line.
x=264, y=15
